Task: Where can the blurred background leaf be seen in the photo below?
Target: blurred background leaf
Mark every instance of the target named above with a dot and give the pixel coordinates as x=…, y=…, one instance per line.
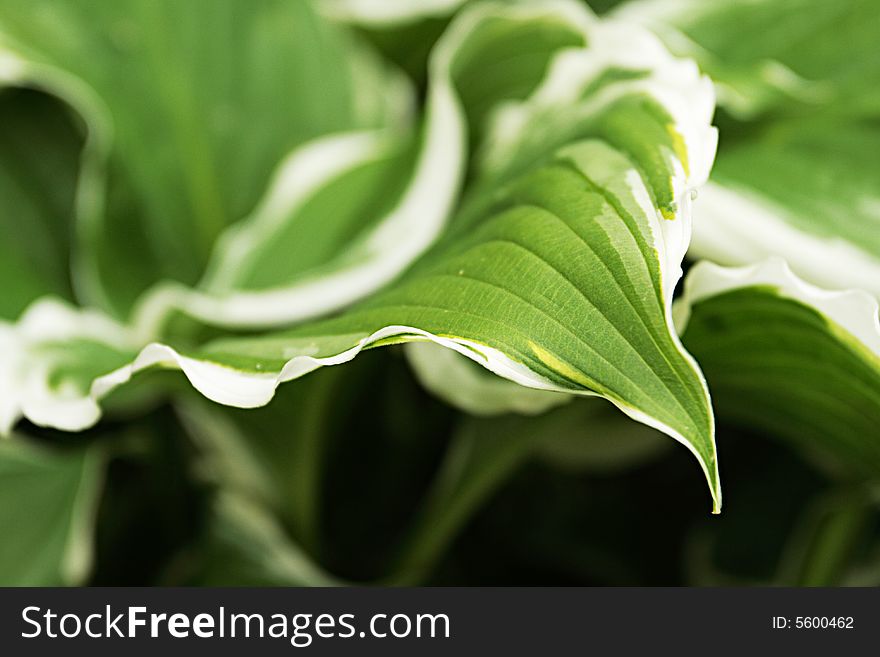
x=232, y=88
x=799, y=363
x=40, y=144
x=48, y=501
x=785, y=56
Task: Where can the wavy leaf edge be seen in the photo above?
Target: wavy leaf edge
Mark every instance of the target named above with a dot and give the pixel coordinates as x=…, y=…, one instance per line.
x=249, y=389
x=855, y=311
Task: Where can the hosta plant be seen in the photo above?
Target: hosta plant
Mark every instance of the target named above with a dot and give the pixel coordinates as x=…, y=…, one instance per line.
x=210, y=211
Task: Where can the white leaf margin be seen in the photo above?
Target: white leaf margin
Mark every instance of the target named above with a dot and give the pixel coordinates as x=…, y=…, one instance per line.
x=18, y=71
x=854, y=311
x=242, y=389
x=447, y=375
x=25, y=373
x=399, y=238
x=152, y=309
x=677, y=84
x=735, y=226
x=666, y=18
x=301, y=174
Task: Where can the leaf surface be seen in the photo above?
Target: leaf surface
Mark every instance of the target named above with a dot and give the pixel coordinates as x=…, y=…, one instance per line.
x=788, y=358
x=804, y=191
x=39, y=150
x=48, y=502
x=558, y=270
x=190, y=107
x=764, y=55
x=347, y=213
x=538, y=293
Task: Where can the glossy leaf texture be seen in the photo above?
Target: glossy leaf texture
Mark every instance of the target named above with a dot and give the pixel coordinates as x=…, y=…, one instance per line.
x=788, y=358
x=324, y=194
x=559, y=271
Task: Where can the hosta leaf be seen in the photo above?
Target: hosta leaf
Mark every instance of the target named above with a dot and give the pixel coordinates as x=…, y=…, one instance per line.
x=48, y=360
x=39, y=150
x=348, y=213
x=289, y=238
x=245, y=546
x=48, y=502
x=768, y=54
x=628, y=90
x=805, y=191
x=522, y=294
x=190, y=106
x=558, y=273
x=578, y=94
x=803, y=188
x=791, y=359
x=462, y=383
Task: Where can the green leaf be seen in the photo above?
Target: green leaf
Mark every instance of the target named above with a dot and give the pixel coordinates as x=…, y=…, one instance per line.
x=801, y=186
x=775, y=54
x=48, y=360
x=376, y=13
x=39, y=151
x=48, y=501
x=244, y=546
x=805, y=191
x=346, y=214
x=190, y=106
x=558, y=273
x=462, y=383
x=523, y=295
x=785, y=357
x=826, y=540
x=345, y=177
